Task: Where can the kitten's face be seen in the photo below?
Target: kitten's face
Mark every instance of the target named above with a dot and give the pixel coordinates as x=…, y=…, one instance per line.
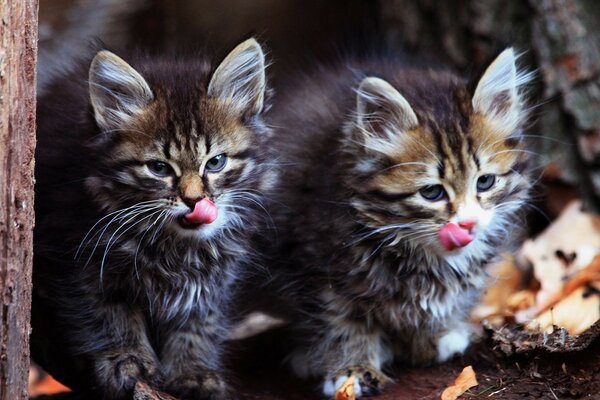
x=190, y=165
x=444, y=182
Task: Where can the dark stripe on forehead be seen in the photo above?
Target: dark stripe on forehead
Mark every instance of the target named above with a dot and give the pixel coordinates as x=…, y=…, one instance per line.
x=440, y=150
x=207, y=143
x=167, y=149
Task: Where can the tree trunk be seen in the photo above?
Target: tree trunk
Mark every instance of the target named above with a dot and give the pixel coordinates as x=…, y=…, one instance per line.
x=18, y=45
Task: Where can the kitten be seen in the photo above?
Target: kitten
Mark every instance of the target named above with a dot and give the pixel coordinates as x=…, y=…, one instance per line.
x=149, y=186
x=401, y=184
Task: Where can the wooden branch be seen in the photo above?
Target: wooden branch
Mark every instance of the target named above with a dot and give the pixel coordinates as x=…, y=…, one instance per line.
x=18, y=46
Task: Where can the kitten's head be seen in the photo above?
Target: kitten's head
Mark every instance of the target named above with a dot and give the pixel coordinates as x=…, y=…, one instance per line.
x=180, y=144
x=443, y=167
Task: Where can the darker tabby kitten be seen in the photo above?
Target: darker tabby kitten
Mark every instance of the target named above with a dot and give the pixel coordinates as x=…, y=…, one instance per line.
x=149, y=181
x=401, y=185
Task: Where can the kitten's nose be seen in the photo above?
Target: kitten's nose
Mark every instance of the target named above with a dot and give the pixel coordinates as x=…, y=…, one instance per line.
x=467, y=224
x=191, y=202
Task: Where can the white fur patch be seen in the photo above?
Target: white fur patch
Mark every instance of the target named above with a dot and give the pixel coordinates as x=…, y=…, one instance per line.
x=453, y=342
x=330, y=387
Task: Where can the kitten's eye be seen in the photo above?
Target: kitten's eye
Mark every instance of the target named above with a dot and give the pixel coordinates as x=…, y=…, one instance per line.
x=485, y=182
x=433, y=192
x=159, y=168
x=216, y=163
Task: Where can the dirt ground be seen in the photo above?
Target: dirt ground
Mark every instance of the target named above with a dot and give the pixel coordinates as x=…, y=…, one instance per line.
x=538, y=375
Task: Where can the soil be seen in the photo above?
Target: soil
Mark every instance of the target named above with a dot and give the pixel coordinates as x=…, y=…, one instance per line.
x=536, y=375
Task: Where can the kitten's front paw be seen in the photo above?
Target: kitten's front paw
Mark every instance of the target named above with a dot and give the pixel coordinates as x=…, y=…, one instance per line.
x=368, y=381
x=452, y=343
x=205, y=385
x=118, y=371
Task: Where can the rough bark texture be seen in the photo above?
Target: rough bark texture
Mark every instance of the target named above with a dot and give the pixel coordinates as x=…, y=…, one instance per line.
x=558, y=38
x=18, y=44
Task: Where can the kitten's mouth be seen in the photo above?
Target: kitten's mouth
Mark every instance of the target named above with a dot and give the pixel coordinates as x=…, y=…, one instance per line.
x=204, y=212
x=187, y=224
x=453, y=237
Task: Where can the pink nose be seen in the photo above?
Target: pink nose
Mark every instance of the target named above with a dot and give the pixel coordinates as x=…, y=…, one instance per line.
x=467, y=224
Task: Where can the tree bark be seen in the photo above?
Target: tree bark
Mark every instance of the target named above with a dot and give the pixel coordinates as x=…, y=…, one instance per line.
x=18, y=45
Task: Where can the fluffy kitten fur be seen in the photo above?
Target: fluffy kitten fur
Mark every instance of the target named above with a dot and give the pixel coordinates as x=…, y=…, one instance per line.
x=125, y=289
x=361, y=258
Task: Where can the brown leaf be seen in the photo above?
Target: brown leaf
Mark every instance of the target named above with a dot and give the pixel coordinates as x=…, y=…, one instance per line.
x=463, y=382
x=346, y=391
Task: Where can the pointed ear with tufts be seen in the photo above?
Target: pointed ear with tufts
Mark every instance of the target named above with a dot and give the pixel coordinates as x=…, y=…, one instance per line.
x=117, y=91
x=240, y=79
x=497, y=95
x=381, y=110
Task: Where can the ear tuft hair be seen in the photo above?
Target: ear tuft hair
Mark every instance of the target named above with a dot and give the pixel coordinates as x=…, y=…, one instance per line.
x=382, y=112
x=240, y=78
x=498, y=94
x=117, y=91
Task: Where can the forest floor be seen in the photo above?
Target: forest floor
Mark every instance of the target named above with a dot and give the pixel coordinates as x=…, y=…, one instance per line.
x=537, y=374
x=534, y=374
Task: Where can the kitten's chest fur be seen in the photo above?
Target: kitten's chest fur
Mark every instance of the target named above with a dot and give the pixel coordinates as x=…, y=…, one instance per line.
x=403, y=289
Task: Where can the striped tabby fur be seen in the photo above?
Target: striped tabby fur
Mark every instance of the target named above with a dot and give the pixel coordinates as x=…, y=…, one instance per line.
x=361, y=260
x=125, y=287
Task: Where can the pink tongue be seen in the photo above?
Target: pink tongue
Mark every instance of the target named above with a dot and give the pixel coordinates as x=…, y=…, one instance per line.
x=453, y=237
x=205, y=212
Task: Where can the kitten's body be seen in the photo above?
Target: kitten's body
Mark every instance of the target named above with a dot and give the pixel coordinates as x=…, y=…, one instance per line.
x=360, y=258
x=128, y=284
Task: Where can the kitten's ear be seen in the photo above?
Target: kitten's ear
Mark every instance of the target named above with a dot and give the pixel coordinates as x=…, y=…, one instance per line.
x=382, y=110
x=497, y=94
x=240, y=79
x=117, y=91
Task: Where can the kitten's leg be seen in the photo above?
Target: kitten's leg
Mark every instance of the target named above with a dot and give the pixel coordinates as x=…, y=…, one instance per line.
x=191, y=360
x=453, y=341
x=426, y=348
x=345, y=349
x=126, y=354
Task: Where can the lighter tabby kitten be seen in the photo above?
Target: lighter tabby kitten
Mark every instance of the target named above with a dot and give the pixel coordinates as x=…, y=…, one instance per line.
x=395, y=211
x=149, y=186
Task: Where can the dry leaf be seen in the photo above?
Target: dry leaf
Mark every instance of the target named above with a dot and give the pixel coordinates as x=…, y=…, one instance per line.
x=506, y=280
x=521, y=300
x=346, y=391
x=564, y=248
x=576, y=313
x=463, y=382
x=46, y=385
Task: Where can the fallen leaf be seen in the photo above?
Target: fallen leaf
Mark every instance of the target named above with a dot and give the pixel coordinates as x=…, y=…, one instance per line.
x=506, y=280
x=47, y=385
x=576, y=313
x=587, y=275
x=463, y=382
x=346, y=391
x=567, y=246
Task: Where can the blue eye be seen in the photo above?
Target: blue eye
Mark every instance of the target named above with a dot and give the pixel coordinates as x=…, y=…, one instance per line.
x=433, y=192
x=485, y=182
x=216, y=163
x=159, y=168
